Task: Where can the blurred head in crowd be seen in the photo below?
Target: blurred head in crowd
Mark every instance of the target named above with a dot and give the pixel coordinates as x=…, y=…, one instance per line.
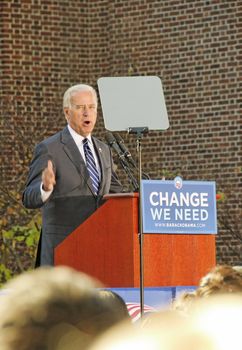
x=221, y=279
x=115, y=301
x=53, y=308
x=184, y=302
x=213, y=324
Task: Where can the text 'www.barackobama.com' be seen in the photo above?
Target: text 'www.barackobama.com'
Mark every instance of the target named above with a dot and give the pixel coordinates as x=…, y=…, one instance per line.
x=172, y=224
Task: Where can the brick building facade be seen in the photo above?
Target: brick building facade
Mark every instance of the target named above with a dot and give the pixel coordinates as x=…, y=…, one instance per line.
x=193, y=46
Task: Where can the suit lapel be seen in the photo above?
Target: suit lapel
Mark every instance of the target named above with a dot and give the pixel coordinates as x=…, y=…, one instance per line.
x=70, y=148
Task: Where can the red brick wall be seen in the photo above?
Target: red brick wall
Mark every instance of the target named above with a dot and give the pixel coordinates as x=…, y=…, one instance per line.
x=193, y=46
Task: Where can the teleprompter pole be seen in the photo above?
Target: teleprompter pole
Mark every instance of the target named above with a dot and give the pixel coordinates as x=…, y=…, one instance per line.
x=139, y=132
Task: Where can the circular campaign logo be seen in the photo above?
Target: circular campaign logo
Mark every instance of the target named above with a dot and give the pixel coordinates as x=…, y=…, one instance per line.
x=178, y=182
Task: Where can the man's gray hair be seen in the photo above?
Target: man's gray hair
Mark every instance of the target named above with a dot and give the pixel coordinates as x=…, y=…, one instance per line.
x=74, y=89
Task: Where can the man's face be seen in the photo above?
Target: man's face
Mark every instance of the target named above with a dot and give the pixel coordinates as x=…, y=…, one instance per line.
x=82, y=114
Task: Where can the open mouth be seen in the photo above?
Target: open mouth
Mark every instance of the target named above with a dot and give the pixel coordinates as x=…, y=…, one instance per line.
x=87, y=122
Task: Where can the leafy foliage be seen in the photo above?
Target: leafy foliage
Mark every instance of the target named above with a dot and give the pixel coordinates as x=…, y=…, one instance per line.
x=19, y=227
x=18, y=242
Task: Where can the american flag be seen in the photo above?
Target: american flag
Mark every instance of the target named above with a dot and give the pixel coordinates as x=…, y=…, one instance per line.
x=134, y=310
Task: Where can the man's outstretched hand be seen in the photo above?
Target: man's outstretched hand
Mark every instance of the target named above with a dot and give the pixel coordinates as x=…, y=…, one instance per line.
x=48, y=177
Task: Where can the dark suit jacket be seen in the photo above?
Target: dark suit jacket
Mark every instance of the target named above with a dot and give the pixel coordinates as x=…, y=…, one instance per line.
x=72, y=200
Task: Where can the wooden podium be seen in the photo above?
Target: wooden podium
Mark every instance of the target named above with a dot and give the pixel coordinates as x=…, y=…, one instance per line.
x=106, y=246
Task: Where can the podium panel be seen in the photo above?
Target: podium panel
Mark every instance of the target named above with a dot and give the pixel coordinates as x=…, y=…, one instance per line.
x=106, y=246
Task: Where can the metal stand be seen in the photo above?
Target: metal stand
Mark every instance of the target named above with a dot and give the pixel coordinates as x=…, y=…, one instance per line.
x=139, y=132
x=131, y=176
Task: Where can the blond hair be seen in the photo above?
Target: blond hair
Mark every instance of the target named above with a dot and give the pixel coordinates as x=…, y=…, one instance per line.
x=221, y=279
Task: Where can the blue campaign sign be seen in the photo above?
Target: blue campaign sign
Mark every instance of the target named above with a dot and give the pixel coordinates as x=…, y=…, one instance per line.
x=185, y=207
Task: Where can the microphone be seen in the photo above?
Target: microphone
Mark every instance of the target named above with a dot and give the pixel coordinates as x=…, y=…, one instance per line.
x=127, y=154
x=112, y=143
x=125, y=150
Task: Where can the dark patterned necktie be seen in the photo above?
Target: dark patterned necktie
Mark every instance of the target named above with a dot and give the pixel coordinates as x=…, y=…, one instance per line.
x=91, y=166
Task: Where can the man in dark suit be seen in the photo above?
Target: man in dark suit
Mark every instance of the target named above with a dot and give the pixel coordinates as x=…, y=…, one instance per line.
x=70, y=172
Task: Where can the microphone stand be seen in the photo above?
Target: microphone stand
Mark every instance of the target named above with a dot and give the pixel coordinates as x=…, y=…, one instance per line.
x=111, y=141
x=144, y=175
x=139, y=132
x=127, y=155
x=130, y=174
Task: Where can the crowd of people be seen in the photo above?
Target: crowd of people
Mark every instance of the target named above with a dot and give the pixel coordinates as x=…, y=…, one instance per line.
x=59, y=308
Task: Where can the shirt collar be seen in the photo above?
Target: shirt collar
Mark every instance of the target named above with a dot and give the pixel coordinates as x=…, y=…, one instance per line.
x=77, y=137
